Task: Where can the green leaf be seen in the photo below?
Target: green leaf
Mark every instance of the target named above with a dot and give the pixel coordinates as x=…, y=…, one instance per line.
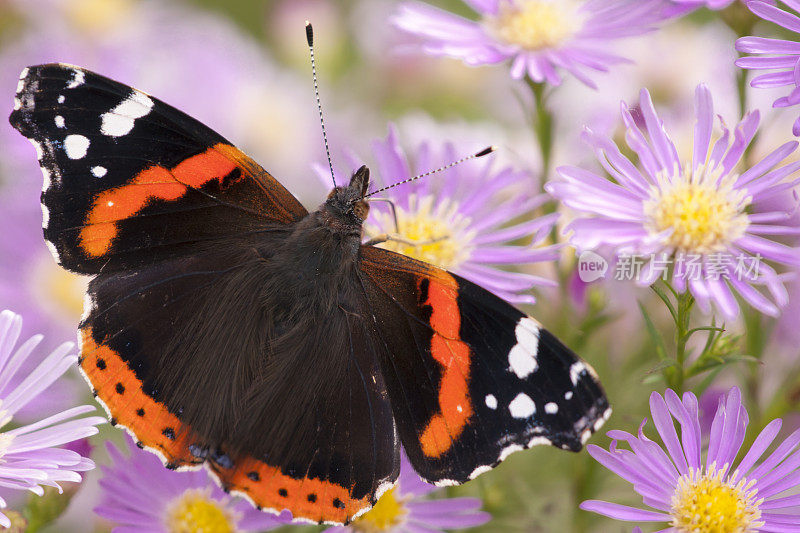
x=664, y=298
x=703, y=328
x=658, y=340
x=714, y=361
x=44, y=510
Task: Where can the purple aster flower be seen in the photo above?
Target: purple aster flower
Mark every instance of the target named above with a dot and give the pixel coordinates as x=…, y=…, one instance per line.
x=538, y=37
x=406, y=509
x=694, y=486
x=459, y=219
x=676, y=8
x=781, y=56
x=140, y=494
x=690, y=222
x=31, y=454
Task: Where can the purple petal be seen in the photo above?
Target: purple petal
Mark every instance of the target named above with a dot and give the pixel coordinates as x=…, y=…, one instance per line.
x=623, y=512
x=666, y=429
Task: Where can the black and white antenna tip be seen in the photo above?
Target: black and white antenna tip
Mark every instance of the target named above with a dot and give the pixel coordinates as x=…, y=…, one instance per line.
x=486, y=151
x=309, y=34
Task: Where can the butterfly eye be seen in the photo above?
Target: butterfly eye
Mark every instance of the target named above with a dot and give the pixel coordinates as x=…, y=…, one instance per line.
x=361, y=210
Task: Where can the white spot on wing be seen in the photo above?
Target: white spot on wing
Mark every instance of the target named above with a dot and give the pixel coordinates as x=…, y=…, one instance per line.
x=575, y=371
x=20, y=85
x=522, y=357
x=491, y=401
x=45, y=216
x=17, y=104
x=78, y=79
x=38, y=148
x=99, y=172
x=522, y=406
x=508, y=451
x=550, y=408
x=119, y=121
x=24, y=73
x=60, y=98
x=537, y=441
x=382, y=488
x=568, y=395
x=521, y=361
x=45, y=178
x=53, y=251
x=88, y=306
x=59, y=120
x=480, y=470
x=76, y=146
x=446, y=483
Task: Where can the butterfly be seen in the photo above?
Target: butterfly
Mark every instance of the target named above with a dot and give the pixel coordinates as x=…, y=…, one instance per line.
x=227, y=326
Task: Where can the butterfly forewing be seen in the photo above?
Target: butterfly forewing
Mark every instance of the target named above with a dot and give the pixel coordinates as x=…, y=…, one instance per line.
x=128, y=178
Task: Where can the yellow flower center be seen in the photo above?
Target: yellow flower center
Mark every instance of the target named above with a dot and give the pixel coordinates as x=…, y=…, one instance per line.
x=433, y=233
x=195, y=511
x=703, y=213
x=712, y=503
x=386, y=514
x=535, y=24
x=61, y=292
x=98, y=15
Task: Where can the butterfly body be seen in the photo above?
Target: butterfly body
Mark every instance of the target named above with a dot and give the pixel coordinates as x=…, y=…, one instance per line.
x=228, y=327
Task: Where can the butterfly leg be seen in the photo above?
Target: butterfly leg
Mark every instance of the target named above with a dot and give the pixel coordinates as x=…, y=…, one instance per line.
x=394, y=237
x=393, y=208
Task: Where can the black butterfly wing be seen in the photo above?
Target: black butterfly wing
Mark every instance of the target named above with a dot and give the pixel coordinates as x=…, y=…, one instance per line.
x=471, y=379
x=188, y=357
x=178, y=228
x=129, y=179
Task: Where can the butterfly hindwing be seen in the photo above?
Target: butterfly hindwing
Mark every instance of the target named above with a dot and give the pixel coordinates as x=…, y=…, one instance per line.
x=471, y=379
x=190, y=356
x=129, y=179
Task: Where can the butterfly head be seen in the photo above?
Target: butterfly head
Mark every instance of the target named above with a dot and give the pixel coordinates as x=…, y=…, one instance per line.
x=348, y=203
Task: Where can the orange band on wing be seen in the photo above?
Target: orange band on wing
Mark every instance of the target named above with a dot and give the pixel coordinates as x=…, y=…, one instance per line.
x=454, y=356
x=121, y=391
x=153, y=183
x=312, y=499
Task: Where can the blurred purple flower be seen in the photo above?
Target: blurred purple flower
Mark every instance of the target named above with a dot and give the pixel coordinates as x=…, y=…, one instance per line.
x=141, y=495
x=405, y=508
x=461, y=216
x=779, y=55
x=692, y=216
x=31, y=454
x=539, y=37
x=676, y=8
x=715, y=494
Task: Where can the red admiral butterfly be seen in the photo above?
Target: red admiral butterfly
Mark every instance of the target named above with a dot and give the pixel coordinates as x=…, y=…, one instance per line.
x=227, y=326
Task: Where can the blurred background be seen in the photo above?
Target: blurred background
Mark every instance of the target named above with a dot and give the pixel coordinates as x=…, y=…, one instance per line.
x=242, y=67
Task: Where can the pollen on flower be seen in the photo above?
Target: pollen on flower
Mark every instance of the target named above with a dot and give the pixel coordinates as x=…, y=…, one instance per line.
x=195, y=511
x=61, y=290
x=97, y=15
x=715, y=503
x=435, y=233
x=535, y=24
x=702, y=213
x=386, y=514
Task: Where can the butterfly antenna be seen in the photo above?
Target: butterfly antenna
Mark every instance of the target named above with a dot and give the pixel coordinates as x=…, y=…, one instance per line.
x=310, y=39
x=485, y=151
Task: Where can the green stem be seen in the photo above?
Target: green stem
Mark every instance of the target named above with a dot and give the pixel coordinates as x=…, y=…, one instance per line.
x=542, y=121
x=684, y=312
x=742, y=77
